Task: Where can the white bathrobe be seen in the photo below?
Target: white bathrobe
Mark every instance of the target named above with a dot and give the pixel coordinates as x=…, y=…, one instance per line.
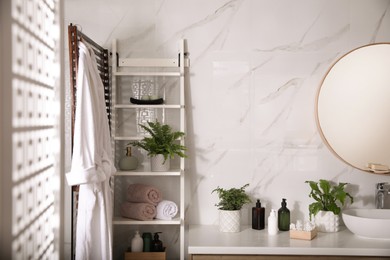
x=92, y=164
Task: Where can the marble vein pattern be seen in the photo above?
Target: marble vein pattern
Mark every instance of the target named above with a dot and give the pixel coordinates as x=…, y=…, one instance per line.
x=256, y=66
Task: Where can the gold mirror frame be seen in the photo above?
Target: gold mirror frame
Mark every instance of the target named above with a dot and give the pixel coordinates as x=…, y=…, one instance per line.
x=351, y=106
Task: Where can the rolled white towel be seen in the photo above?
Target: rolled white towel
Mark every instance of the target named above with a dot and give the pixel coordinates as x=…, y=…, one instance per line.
x=166, y=210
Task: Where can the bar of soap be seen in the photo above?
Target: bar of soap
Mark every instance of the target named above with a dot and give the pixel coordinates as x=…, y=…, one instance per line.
x=377, y=167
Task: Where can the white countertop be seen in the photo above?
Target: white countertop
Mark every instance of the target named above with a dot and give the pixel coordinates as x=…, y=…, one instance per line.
x=205, y=239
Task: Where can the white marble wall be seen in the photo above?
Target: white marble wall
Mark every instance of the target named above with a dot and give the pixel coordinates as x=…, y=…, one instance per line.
x=255, y=68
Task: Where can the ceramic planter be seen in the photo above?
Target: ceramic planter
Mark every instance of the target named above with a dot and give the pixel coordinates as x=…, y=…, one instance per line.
x=157, y=163
x=229, y=220
x=327, y=221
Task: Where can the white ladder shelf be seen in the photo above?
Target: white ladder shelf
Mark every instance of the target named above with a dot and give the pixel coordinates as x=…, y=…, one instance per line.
x=127, y=67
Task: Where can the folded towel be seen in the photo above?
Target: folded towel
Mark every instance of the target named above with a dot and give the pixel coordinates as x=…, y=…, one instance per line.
x=143, y=193
x=138, y=211
x=166, y=210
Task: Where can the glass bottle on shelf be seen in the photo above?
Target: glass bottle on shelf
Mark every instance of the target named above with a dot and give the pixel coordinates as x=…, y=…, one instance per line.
x=128, y=162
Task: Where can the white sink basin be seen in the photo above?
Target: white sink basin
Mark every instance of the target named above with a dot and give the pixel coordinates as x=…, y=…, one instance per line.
x=370, y=223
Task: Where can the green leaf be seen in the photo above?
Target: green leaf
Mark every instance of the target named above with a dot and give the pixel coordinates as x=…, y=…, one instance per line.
x=325, y=186
x=314, y=208
x=313, y=186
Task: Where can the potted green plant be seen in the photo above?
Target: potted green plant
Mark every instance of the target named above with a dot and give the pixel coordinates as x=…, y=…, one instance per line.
x=230, y=203
x=328, y=202
x=162, y=144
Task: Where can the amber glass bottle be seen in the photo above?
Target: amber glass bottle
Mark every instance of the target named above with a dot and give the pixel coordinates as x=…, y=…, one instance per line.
x=258, y=215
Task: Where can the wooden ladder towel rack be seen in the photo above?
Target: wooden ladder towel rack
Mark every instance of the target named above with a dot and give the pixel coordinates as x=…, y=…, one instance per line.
x=102, y=57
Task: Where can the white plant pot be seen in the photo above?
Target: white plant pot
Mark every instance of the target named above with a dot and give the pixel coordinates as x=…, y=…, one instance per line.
x=157, y=163
x=229, y=220
x=327, y=221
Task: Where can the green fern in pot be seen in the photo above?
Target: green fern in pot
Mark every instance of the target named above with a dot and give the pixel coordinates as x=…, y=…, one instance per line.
x=230, y=203
x=327, y=197
x=162, y=140
x=233, y=198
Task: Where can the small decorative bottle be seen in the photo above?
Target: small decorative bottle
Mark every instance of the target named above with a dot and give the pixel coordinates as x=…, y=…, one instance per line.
x=258, y=216
x=272, y=223
x=137, y=243
x=284, y=217
x=157, y=245
x=147, y=238
x=128, y=162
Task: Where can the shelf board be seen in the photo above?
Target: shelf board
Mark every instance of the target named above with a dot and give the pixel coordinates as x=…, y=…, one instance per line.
x=128, y=138
x=128, y=221
x=129, y=106
x=131, y=138
x=148, y=173
x=167, y=63
x=142, y=73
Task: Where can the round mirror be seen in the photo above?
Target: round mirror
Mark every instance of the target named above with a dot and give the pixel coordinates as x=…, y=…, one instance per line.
x=353, y=108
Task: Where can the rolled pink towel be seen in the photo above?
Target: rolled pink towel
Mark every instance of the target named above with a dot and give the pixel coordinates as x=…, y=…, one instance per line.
x=138, y=211
x=143, y=193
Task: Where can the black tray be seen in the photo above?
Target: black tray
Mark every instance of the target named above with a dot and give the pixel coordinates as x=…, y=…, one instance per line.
x=147, y=102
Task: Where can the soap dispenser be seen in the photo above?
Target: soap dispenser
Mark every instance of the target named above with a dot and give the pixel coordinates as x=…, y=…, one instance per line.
x=284, y=217
x=137, y=243
x=157, y=245
x=258, y=214
x=128, y=162
x=272, y=223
